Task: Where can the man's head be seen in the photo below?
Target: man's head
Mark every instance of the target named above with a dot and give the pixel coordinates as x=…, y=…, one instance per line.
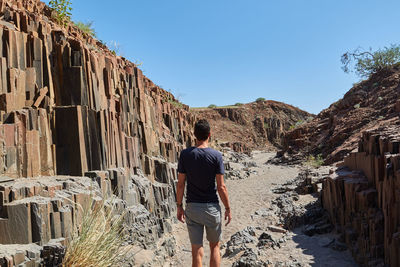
x=202, y=130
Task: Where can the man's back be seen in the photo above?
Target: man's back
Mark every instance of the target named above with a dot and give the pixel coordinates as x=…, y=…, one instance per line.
x=200, y=166
x=202, y=169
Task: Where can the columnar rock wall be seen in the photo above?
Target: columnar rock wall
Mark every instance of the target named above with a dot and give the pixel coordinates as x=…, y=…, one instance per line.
x=69, y=107
x=363, y=198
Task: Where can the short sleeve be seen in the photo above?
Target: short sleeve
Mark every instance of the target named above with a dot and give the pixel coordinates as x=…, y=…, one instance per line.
x=220, y=165
x=181, y=167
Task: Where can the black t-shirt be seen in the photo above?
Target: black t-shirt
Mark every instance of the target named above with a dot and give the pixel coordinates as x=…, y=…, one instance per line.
x=200, y=166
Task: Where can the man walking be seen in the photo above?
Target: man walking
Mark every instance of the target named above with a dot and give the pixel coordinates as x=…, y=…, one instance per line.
x=202, y=168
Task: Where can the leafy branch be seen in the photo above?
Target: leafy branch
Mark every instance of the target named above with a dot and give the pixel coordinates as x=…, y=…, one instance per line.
x=369, y=62
x=63, y=10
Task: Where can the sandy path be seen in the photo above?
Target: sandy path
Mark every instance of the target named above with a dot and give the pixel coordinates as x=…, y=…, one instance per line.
x=250, y=195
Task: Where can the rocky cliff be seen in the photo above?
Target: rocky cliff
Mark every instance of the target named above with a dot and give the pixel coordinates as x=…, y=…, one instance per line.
x=77, y=122
x=256, y=125
x=362, y=198
x=336, y=130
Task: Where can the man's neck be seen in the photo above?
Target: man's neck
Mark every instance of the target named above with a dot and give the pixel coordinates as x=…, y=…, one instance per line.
x=202, y=144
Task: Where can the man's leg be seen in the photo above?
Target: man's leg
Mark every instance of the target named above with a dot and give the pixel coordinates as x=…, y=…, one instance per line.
x=195, y=230
x=215, y=258
x=197, y=255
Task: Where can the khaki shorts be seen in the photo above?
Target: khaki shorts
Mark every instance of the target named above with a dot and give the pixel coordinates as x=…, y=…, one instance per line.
x=200, y=216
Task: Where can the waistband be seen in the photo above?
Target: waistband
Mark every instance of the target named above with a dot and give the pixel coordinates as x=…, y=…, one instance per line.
x=196, y=204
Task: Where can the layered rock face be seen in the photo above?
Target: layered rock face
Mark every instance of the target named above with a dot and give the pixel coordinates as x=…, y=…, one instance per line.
x=250, y=126
x=69, y=107
x=337, y=129
x=362, y=198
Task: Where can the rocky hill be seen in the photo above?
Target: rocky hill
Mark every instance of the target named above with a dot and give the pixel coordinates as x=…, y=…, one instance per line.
x=256, y=125
x=336, y=130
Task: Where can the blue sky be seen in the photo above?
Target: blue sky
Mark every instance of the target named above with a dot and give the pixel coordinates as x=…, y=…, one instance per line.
x=227, y=51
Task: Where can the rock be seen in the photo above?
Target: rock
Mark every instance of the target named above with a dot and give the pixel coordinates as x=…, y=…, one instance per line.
x=362, y=194
x=252, y=126
x=170, y=246
x=276, y=229
x=293, y=263
x=335, y=131
x=325, y=241
x=238, y=165
x=83, y=125
x=249, y=259
x=339, y=246
x=239, y=240
x=266, y=240
x=245, y=236
x=322, y=226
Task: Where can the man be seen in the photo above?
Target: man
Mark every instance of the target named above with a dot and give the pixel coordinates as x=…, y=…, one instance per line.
x=202, y=168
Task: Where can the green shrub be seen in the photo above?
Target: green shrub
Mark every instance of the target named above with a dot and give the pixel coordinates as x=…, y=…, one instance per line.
x=212, y=106
x=86, y=28
x=238, y=104
x=63, y=10
x=175, y=103
x=297, y=124
x=315, y=162
x=260, y=99
x=369, y=62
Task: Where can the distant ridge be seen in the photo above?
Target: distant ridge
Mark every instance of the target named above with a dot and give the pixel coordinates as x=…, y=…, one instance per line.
x=256, y=125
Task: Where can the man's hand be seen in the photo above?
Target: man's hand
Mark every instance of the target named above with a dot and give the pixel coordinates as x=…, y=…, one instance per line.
x=180, y=214
x=228, y=216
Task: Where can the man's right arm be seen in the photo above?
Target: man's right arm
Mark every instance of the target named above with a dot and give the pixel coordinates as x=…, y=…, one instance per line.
x=223, y=194
x=180, y=189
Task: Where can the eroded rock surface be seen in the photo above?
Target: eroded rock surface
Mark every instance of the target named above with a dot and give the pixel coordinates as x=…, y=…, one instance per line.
x=75, y=119
x=257, y=125
x=362, y=198
x=335, y=131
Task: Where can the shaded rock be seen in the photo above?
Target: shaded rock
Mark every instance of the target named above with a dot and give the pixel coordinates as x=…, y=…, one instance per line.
x=249, y=259
x=339, y=246
x=239, y=240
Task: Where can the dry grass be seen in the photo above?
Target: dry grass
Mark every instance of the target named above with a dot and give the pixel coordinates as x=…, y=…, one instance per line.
x=315, y=162
x=98, y=240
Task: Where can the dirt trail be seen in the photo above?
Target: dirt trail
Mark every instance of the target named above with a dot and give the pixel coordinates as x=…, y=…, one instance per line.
x=253, y=194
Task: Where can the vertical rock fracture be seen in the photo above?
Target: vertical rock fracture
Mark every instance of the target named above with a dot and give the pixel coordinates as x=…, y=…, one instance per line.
x=69, y=107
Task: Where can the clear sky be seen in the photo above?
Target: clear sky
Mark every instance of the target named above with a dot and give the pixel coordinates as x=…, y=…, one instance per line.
x=227, y=51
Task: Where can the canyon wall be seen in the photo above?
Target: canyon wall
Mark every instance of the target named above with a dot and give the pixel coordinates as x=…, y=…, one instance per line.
x=78, y=123
x=257, y=125
x=363, y=198
x=335, y=131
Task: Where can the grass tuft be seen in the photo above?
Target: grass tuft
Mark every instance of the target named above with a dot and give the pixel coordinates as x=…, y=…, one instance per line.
x=98, y=241
x=87, y=28
x=315, y=162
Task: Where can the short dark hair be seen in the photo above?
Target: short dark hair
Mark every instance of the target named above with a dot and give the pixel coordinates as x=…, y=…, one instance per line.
x=202, y=130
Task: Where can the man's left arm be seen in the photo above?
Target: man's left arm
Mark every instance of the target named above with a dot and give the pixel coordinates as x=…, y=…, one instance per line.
x=180, y=189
